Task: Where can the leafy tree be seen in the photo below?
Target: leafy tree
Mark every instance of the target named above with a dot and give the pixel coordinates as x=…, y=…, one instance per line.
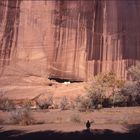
x=134, y=72
x=132, y=90
x=102, y=84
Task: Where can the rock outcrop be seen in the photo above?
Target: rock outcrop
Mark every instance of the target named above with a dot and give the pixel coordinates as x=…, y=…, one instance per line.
x=69, y=39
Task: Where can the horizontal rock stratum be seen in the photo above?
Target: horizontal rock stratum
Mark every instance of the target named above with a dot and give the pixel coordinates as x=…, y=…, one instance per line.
x=69, y=39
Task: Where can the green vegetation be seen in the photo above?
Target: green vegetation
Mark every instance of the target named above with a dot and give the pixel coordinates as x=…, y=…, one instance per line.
x=83, y=103
x=106, y=90
x=134, y=72
x=103, y=90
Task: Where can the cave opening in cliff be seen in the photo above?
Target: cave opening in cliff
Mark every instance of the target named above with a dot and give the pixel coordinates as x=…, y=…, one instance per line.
x=59, y=80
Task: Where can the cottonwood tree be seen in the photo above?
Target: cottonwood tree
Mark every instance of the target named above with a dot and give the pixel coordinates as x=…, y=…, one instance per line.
x=134, y=72
x=101, y=84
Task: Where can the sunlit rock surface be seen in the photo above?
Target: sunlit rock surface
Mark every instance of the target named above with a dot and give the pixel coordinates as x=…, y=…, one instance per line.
x=69, y=39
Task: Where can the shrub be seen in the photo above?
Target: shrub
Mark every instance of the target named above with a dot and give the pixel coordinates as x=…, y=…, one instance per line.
x=72, y=104
x=83, y=103
x=6, y=104
x=99, y=106
x=22, y=117
x=137, y=99
x=107, y=102
x=96, y=98
x=131, y=91
x=64, y=103
x=45, y=103
x=119, y=100
x=134, y=72
x=27, y=103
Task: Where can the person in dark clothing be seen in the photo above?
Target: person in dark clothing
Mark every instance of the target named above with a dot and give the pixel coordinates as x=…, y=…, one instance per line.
x=88, y=125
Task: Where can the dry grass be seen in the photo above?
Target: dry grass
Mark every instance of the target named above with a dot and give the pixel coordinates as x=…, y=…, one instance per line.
x=64, y=103
x=45, y=103
x=21, y=117
x=6, y=104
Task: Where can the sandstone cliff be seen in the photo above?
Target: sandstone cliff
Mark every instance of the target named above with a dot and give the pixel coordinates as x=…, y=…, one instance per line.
x=69, y=39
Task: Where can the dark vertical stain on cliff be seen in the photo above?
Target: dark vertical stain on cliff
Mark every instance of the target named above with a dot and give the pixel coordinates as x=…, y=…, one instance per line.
x=10, y=32
x=2, y=10
x=85, y=37
x=94, y=20
x=107, y=30
x=59, y=21
x=128, y=26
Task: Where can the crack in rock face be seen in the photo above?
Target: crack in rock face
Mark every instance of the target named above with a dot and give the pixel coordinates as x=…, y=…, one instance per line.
x=71, y=40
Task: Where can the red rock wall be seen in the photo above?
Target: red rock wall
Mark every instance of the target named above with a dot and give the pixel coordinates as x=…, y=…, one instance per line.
x=9, y=22
x=69, y=39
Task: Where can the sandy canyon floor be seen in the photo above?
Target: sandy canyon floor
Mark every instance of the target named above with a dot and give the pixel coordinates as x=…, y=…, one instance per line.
x=115, y=119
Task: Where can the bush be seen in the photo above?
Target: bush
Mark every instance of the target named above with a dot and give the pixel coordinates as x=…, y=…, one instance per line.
x=120, y=100
x=64, y=103
x=131, y=91
x=99, y=106
x=134, y=72
x=22, y=117
x=45, y=103
x=96, y=98
x=137, y=99
x=107, y=102
x=83, y=103
x=27, y=103
x=6, y=104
